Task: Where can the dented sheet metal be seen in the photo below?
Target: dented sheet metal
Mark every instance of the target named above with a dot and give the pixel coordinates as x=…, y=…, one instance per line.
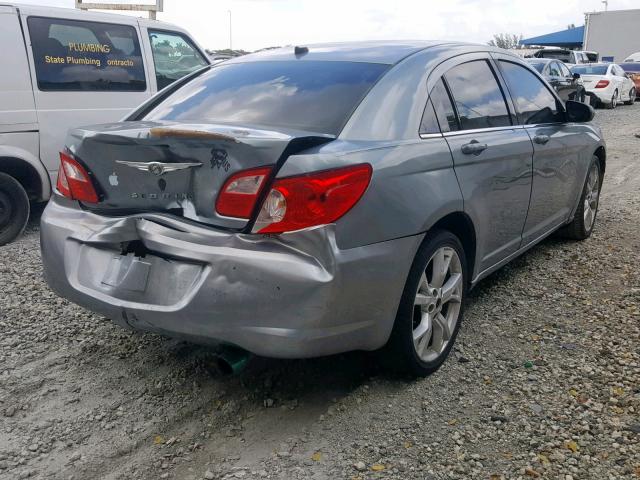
x=295, y=295
x=143, y=166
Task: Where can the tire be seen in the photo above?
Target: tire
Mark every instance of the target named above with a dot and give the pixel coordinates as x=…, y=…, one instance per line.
x=14, y=209
x=582, y=96
x=632, y=97
x=582, y=224
x=437, y=318
x=614, y=101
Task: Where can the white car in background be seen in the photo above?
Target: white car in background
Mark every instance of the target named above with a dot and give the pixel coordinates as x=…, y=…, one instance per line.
x=608, y=83
x=634, y=57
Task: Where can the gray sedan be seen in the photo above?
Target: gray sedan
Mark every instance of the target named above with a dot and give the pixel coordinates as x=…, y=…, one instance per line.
x=313, y=200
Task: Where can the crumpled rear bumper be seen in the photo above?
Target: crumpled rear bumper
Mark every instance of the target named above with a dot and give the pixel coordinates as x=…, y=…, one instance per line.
x=291, y=296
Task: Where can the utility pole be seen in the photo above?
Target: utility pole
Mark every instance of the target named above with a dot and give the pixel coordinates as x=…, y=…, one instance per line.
x=230, y=37
x=606, y=4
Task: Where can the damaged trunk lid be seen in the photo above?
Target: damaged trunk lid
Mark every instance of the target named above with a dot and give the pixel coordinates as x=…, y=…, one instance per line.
x=177, y=168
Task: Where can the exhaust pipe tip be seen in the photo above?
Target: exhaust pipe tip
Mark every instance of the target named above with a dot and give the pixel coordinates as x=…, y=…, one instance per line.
x=232, y=360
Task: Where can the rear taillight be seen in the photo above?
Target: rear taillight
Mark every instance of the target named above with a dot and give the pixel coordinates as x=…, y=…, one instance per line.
x=240, y=192
x=602, y=83
x=74, y=181
x=304, y=201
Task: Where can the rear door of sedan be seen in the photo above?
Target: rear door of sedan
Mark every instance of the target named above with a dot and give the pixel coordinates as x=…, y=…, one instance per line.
x=492, y=156
x=558, y=147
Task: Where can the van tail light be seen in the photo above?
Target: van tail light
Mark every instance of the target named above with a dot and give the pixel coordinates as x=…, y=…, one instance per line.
x=602, y=83
x=241, y=191
x=319, y=198
x=74, y=181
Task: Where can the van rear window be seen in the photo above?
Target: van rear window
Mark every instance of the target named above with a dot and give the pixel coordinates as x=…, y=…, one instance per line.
x=72, y=55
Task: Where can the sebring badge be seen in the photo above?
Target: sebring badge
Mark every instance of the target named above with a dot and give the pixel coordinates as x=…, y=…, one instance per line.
x=159, y=168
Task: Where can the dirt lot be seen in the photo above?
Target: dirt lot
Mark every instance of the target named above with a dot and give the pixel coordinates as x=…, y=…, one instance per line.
x=544, y=382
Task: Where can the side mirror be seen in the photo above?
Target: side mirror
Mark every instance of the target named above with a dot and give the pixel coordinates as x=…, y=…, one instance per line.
x=576, y=76
x=579, y=112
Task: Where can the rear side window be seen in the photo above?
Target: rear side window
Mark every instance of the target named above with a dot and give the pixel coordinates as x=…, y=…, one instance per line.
x=315, y=96
x=429, y=123
x=554, y=69
x=71, y=55
x=174, y=56
x=477, y=96
x=534, y=101
x=443, y=107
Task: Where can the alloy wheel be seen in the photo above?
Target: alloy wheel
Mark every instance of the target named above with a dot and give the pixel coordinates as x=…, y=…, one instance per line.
x=437, y=304
x=592, y=196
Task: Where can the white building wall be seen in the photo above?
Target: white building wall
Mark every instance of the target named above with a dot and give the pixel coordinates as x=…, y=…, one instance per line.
x=615, y=33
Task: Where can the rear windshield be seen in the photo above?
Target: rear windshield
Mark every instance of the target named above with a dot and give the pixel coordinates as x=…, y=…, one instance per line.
x=564, y=56
x=590, y=69
x=538, y=66
x=315, y=96
x=630, y=67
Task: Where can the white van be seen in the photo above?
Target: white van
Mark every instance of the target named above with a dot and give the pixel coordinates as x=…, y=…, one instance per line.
x=63, y=68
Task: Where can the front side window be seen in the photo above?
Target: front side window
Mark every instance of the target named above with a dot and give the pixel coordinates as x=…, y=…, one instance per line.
x=477, y=96
x=534, y=101
x=316, y=96
x=71, y=55
x=174, y=56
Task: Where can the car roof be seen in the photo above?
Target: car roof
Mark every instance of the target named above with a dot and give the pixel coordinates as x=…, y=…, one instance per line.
x=541, y=60
x=386, y=52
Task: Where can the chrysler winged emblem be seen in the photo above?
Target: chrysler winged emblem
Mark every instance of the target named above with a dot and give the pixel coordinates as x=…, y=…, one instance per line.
x=159, y=168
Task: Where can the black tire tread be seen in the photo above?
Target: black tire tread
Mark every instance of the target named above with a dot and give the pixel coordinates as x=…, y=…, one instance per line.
x=17, y=193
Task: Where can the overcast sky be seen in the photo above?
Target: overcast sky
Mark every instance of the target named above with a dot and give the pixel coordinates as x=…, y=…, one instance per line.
x=264, y=23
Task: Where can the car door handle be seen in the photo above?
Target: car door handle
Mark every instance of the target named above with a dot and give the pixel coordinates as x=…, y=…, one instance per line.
x=473, y=148
x=541, y=139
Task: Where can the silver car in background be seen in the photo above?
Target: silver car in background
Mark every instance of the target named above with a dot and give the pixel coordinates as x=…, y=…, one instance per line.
x=313, y=200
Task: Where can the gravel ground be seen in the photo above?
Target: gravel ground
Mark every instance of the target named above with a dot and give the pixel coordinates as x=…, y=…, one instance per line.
x=544, y=382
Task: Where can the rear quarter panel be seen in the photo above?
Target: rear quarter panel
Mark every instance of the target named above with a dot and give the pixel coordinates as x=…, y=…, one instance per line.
x=412, y=187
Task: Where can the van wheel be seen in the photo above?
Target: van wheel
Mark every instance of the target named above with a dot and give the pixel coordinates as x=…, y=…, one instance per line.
x=584, y=220
x=632, y=97
x=431, y=306
x=14, y=209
